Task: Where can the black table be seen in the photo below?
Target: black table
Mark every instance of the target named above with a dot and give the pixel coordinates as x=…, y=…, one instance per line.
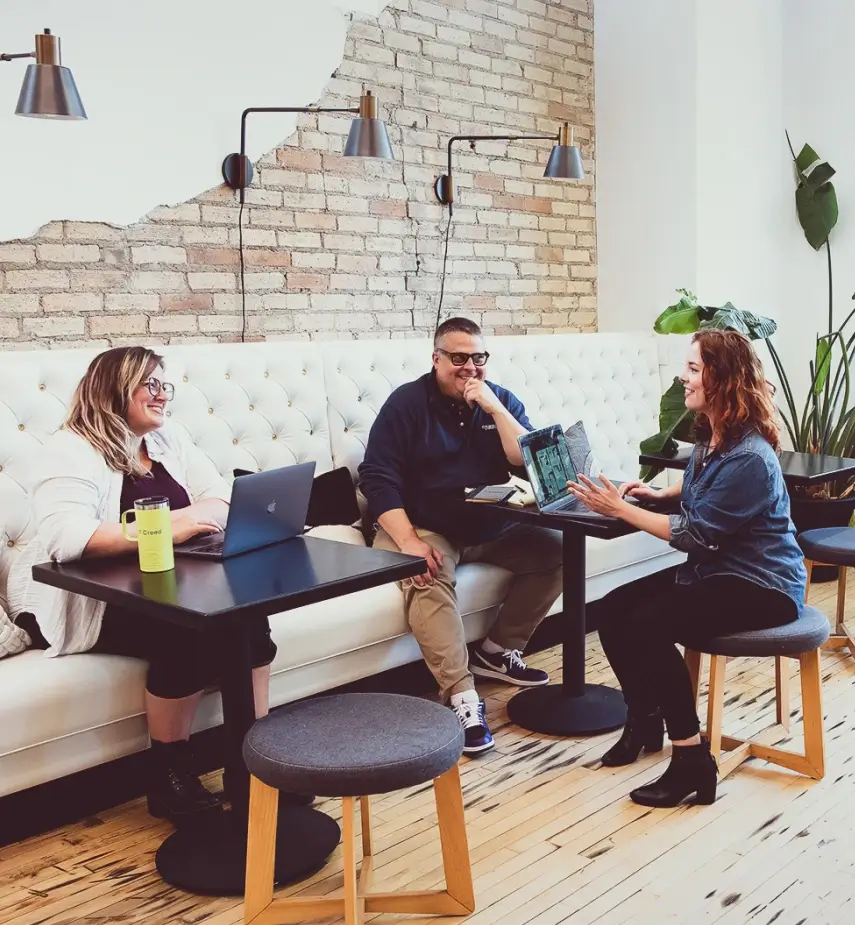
x=798, y=468
x=221, y=597
x=572, y=708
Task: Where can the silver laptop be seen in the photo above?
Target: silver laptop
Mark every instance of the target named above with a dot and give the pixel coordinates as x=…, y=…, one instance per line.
x=546, y=456
x=549, y=466
x=266, y=508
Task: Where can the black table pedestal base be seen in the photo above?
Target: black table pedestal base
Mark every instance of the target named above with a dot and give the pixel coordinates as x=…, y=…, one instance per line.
x=210, y=857
x=548, y=710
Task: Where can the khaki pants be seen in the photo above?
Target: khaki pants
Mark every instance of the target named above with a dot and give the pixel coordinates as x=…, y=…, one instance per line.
x=532, y=554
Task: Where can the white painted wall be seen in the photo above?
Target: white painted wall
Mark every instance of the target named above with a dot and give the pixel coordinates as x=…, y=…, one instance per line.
x=645, y=81
x=689, y=160
x=819, y=84
x=694, y=180
x=164, y=83
x=741, y=156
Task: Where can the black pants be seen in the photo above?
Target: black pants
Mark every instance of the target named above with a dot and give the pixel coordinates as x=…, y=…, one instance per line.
x=641, y=621
x=181, y=661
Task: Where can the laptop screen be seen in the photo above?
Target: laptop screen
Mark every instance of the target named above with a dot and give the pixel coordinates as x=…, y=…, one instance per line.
x=546, y=456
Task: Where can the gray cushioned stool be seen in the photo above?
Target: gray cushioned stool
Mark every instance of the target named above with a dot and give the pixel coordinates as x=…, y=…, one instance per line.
x=802, y=640
x=352, y=746
x=833, y=546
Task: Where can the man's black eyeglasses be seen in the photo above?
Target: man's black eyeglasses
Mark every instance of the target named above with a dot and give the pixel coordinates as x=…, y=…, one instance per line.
x=155, y=385
x=461, y=359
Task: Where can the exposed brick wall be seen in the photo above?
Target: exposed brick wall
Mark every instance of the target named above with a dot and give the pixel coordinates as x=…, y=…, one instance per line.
x=343, y=247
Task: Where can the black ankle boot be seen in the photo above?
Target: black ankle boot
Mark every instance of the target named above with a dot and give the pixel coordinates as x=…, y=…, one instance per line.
x=641, y=733
x=176, y=793
x=692, y=770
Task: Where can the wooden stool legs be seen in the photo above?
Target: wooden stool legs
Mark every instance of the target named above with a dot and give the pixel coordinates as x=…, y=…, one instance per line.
x=841, y=637
x=811, y=763
x=458, y=898
x=693, y=663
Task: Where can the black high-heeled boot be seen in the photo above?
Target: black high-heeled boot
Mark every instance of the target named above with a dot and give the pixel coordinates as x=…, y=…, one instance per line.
x=692, y=771
x=176, y=793
x=641, y=733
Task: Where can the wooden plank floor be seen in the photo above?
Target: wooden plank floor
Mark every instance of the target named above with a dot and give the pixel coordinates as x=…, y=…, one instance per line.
x=553, y=837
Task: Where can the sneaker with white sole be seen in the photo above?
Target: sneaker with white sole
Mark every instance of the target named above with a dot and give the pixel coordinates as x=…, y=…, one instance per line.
x=473, y=718
x=508, y=666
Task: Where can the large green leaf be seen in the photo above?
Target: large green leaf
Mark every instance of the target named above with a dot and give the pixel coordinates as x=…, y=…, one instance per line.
x=730, y=318
x=817, y=211
x=816, y=198
x=807, y=156
x=822, y=173
x=675, y=423
x=680, y=318
x=687, y=316
x=823, y=364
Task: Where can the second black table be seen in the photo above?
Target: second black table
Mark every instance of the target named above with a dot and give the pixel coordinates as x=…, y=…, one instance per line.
x=573, y=707
x=797, y=468
x=222, y=598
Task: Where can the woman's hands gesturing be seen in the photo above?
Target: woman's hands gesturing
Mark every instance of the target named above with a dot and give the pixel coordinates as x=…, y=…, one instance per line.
x=603, y=499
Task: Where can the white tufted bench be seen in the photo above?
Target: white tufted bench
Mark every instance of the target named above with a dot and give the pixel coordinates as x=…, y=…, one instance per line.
x=264, y=405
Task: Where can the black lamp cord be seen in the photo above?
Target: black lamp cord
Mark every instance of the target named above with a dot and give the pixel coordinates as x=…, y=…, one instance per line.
x=444, y=264
x=242, y=287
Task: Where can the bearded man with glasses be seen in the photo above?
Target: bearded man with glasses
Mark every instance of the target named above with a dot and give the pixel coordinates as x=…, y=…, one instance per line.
x=450, y=430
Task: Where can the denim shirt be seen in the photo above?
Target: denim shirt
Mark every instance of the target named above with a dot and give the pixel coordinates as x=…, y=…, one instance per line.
x=735, y=520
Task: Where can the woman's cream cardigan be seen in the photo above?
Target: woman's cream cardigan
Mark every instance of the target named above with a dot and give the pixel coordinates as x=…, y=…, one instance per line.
x=72, y=493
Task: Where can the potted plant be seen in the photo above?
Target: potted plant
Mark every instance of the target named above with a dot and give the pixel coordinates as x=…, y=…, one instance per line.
x=824, y=423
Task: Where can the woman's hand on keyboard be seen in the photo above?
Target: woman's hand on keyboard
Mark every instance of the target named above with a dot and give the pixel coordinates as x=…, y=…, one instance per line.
x=640, y=491
x=185, y=526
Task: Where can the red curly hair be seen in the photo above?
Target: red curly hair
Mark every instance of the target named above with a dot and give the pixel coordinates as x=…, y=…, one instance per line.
x=736, y=389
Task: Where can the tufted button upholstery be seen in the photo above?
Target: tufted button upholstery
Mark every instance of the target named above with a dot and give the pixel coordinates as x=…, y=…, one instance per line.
x=303, y=409
x=282, y=382
x=258, y=406
x=609, y=381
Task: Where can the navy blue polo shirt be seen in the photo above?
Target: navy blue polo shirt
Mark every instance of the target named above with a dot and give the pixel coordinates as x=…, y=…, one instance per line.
x=425, y=449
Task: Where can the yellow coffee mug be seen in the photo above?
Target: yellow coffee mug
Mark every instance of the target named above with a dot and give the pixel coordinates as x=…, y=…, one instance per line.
x=154, y=534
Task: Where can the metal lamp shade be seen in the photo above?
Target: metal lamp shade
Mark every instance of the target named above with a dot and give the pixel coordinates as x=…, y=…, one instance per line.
x=565, y=163
x=49, y=92
x=368, y=138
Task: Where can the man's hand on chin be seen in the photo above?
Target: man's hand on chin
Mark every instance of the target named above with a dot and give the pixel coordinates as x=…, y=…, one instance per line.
x=477, y=392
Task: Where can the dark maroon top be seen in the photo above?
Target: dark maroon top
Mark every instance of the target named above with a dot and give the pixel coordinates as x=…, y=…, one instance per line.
x=159, y=483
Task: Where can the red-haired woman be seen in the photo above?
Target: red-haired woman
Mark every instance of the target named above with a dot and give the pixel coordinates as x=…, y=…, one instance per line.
x=744, y=569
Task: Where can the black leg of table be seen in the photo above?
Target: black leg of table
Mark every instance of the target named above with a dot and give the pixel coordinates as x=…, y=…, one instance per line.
x=209, y=856
x=572, y=708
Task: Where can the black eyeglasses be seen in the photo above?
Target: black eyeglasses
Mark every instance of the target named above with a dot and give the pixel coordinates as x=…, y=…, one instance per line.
x=155, y=385
x=461, y=359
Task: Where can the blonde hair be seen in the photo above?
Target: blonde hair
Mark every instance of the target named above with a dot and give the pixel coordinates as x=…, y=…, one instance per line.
x=100, y=404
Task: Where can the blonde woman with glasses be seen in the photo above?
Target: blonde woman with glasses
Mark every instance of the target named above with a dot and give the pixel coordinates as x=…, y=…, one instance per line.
x=112, y=451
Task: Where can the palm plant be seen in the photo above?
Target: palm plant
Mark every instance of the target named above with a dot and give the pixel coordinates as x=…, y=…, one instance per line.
x=826, y=422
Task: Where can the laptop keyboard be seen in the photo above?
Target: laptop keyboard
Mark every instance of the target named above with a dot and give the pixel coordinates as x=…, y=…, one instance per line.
x=207, y=544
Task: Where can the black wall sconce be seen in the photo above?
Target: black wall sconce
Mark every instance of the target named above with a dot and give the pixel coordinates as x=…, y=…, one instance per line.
x=565, y=161
x=48, y=90
x=368, y=137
